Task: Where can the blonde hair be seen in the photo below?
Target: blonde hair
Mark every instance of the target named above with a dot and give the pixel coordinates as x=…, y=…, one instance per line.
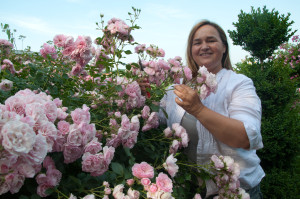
x=226, y=63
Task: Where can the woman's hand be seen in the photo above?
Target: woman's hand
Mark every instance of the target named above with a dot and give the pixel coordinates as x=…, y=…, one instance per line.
x=190, y=100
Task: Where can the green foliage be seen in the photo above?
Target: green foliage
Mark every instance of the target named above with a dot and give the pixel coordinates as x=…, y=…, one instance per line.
x=283, y=184
x=261, y=31
x=280, y=125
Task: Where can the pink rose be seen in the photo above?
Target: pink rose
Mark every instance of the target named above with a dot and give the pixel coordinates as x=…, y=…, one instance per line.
x=168, y=132
x=146, y=112
x=143, y=170
x=218, y=163
x=197, y=196
x=15, y=182
x=17, y=137
x=93, y=146
x=130, y=182
x=164, y=182
x=170, y=165
x=133, y=194
x=63, y=127
x=188, y=73
x=145, y=181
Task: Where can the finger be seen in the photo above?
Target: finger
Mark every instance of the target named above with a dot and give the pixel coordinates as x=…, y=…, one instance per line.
x=180, y=103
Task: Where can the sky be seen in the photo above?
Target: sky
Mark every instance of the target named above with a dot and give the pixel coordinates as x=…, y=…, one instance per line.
x=165, y=23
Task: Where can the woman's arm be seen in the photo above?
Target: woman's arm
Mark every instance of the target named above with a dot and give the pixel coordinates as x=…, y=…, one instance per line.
x=229, y=131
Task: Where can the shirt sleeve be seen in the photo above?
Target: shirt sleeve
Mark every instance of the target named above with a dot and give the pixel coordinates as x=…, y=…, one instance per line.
x=162, y=110
x=245, y=106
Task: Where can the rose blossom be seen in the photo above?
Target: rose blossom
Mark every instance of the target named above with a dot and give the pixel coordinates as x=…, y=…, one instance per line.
x=130, y=182
x=18, y=137
x=133, y=194
x=170, y=165
x=197, y=196
x=145, y=181
x=164, y=182
x=143, y=170
x=6, y=85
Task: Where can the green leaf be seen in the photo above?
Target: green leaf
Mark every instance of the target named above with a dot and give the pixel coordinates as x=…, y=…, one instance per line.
x=154, y=107
x=118, y=88
x=128, y=52
x=117, y=168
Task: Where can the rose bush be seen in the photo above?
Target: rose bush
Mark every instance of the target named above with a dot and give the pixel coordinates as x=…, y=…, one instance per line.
x=74, y=122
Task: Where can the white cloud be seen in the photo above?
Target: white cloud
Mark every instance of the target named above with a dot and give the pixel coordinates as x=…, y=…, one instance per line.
x=166, y=11
x=33, y=24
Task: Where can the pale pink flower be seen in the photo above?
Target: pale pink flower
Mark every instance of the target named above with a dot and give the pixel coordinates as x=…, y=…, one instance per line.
x=59, y=40
x=135, y=123
x=188, y=73
x=90, y=196
x=145, y=181
x=152, y=122
x=153, y=188
x=164, y=182
x=140, y=48
x=6, y=85
x=17, y=137
x=81, y=115
x=204, y=91
x=179, y=130
x=53, y=177
x=15, y=182
x=197, y=196
x=61, y=114
x=48, y=50
x=93, y=146
x=118, y=190
x=143, y=170
x=107, y=190
x=244, y=194
x=72, y=153
x=50, y=110
x=39, y=150
x=218, y=163
x=146, y=112
x=63, y=127
x=171, y=166
x=57, y=102
x=130, y=182
x=41, y=189
x=174, y=147
x=133, y=194
x=168, y=132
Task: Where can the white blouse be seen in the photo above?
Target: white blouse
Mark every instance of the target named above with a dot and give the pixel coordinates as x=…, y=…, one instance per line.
x=235, y=98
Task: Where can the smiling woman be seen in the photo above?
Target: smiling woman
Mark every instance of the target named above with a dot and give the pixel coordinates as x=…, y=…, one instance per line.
x=226, y=123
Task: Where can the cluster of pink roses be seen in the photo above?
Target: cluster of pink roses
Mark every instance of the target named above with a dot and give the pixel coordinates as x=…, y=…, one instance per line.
x=48, y=50
x=7, y=64
x=115, y=31
x=163, y=186
x=292, y=57
x=50, y=179
x=80, y=50
x=205, y=82
x=126, y=133
x=130, y=96
x=151, y=118
x=180, y=135
x=28, y=132
x=5, y=46
x=227, y=177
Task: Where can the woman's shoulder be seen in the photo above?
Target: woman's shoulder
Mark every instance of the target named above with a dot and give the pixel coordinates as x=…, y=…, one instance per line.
x=237, y=77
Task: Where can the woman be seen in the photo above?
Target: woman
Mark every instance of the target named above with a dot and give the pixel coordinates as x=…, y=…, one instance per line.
x=225, y=123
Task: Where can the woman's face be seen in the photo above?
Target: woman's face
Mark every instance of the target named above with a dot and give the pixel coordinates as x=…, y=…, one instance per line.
x=208, y=48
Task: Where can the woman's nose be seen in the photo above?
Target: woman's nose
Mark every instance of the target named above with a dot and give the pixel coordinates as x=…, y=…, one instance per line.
x=204, y=46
